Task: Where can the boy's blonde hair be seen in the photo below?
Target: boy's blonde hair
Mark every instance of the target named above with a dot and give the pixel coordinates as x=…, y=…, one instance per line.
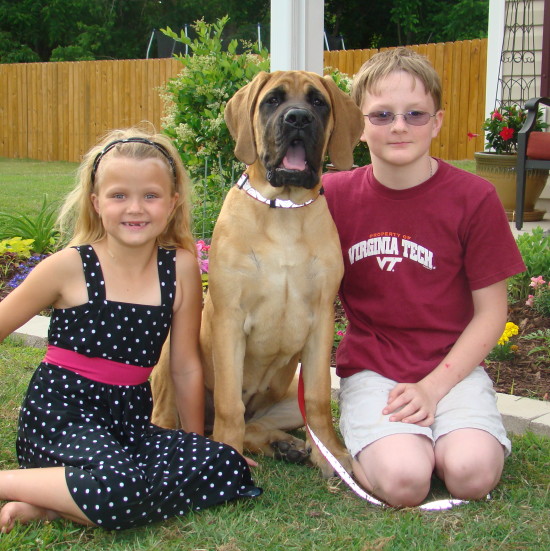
x=383, y=63
x=79, y=222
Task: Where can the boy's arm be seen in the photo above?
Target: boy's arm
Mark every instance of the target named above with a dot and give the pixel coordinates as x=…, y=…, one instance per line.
x=419, y=400
x=185, y=363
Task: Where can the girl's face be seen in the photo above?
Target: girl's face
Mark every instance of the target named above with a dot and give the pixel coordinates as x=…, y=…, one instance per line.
x=134, y=198
x=400, y=143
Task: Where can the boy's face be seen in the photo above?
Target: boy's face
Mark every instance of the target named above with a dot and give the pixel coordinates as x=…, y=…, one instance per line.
x=400, y=143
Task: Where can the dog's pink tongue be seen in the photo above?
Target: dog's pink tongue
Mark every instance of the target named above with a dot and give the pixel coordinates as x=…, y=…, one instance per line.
x=295, y=158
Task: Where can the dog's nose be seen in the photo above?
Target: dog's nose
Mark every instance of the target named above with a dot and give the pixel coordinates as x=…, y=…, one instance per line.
x=297, y=118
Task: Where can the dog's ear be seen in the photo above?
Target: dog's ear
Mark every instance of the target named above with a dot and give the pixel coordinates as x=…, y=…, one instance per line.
x=239, y=117
x=348, y=126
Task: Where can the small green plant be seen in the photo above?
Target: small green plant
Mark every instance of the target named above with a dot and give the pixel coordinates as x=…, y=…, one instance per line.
x=543, y=348
x=505, y=349
x=41, y=229
x=194, y=107
x=534, y=247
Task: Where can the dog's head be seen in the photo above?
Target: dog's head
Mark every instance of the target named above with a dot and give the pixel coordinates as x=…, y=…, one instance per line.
x=286, y=121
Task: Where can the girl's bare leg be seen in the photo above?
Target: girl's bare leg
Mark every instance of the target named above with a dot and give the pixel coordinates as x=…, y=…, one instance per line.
x=37, y=494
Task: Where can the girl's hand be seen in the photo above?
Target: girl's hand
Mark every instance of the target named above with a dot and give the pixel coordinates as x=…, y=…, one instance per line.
x=411, y=403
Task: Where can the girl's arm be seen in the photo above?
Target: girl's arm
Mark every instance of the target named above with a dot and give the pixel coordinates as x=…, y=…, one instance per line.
x=57, y=280
x=419, y=400
x=185, y=362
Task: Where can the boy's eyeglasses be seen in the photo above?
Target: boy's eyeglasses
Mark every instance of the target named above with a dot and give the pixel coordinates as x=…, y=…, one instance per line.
x=416, y=118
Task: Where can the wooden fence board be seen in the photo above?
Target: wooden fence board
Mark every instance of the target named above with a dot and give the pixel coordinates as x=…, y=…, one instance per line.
x=57, y=111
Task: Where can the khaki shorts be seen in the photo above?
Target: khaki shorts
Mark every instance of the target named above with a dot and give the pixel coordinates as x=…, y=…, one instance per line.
x=470, y=404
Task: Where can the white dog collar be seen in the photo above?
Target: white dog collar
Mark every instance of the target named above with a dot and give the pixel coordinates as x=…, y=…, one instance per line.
x=244, y=184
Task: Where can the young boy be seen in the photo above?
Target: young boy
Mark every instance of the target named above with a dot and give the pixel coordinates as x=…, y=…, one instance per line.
x=427, y=249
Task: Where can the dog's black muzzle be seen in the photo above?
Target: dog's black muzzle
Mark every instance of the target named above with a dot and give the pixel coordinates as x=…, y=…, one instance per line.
x=298, y=146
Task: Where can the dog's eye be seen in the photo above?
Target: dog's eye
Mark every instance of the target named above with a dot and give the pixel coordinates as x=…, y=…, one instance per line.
x=273, y=100
x=318, y=102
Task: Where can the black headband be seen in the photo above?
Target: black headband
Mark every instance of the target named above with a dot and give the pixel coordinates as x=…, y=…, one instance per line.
x=145, y=141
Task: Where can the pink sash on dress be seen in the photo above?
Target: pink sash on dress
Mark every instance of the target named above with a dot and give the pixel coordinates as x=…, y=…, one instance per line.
x=97, y=369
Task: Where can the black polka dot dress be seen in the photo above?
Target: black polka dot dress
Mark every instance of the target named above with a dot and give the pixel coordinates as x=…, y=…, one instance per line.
x=121, y=470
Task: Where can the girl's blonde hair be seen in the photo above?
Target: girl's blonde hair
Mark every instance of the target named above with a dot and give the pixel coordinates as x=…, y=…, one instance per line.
x=79, y=222
x=383, y=63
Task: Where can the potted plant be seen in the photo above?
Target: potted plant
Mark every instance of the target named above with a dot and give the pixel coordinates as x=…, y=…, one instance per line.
x=498, y=165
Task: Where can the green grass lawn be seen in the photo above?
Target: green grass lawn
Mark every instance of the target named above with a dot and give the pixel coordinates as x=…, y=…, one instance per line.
x=24, y=183
x=299, y=510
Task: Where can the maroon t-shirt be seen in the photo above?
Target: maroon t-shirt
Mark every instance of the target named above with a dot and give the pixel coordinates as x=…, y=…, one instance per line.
x=412, y=259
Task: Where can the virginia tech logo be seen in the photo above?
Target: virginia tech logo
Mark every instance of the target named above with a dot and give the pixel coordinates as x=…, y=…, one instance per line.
x=390, y=250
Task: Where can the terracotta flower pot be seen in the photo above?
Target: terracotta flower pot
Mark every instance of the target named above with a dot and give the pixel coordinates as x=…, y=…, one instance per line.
x=500, y=170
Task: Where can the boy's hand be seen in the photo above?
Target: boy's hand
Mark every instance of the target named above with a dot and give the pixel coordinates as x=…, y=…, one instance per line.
x=411, y=403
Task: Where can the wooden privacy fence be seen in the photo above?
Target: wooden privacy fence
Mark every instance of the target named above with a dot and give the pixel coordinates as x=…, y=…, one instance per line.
x=57, y=111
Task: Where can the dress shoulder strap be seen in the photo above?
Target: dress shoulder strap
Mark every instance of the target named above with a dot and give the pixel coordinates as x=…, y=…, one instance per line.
x=92, y=272
x=166, y=261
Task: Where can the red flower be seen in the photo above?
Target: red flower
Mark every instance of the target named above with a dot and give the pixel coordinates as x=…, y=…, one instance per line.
x=496, y=115
x=506, y=133
x=471, y=135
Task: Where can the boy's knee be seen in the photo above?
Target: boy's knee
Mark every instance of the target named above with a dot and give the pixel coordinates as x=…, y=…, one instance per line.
x=466, y=478
x=406, y=489
x=400, y=486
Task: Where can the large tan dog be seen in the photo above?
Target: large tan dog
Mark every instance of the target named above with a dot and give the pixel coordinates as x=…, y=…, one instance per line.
x=275, y=268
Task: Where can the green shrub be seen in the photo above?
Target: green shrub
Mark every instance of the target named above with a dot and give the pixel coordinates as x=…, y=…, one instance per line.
x=195, y=103
x=534, y=247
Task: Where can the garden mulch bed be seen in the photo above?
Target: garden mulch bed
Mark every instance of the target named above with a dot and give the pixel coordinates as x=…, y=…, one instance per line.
x=528, y=373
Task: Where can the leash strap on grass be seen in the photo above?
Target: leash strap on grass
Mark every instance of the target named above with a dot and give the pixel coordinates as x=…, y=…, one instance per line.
x=439, y=505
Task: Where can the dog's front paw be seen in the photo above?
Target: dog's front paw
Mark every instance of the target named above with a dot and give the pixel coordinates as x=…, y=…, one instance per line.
x=288, y=451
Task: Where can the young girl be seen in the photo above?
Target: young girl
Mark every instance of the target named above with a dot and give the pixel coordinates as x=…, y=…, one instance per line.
x=85, y=443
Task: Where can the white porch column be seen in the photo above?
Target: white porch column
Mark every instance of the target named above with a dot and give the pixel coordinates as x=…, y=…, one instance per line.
x=297, y=35
x=497, y=16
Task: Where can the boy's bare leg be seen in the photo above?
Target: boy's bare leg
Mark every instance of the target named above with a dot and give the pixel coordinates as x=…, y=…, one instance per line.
x=37, y=494
x=397, y=469
x=470, y=462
